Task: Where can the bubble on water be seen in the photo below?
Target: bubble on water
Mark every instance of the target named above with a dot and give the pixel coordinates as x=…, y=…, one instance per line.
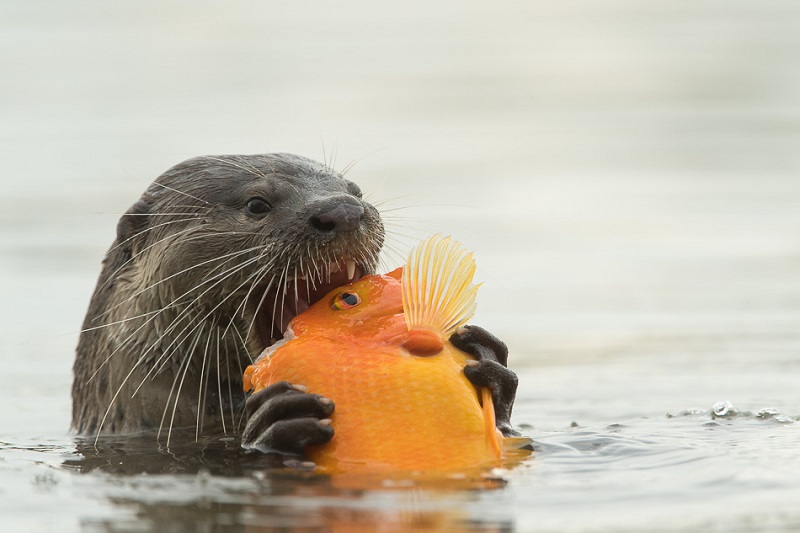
x=723, y=408
x=773, y=414
x=498, y=472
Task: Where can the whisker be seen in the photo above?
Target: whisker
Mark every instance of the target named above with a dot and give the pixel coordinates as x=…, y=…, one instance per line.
x=354, y=162
x=249, y=169
x=282, y=291
x=162, y=214
x=183, y=331
x=181, y=192
x=203, y=384
x=185, y=364
x=260, y=302
x=154, y=227
x=227, y=363
x=219, y=386
x=113, y=275
x=150, y=320
x=179, y=273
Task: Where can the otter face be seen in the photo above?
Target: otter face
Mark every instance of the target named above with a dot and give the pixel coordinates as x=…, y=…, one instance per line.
x=208, y=268
x=249, y=242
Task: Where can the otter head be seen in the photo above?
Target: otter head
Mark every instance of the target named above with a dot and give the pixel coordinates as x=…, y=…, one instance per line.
x=251, y=241
x=208, y=268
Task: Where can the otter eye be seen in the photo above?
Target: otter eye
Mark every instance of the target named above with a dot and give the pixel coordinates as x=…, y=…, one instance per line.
x=345, y=300
x=257, y=206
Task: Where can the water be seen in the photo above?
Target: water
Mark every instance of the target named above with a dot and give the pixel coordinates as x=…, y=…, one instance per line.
x=626, y=174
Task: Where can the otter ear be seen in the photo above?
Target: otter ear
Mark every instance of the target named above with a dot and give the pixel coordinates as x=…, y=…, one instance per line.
x=133, y=222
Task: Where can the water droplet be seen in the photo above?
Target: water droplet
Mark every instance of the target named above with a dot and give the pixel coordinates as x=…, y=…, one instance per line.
x=723, y=408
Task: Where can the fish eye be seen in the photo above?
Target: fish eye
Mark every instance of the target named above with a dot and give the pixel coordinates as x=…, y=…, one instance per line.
x=345, y=300
x=257, y=206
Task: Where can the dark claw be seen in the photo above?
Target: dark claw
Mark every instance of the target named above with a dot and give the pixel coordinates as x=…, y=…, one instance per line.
x=285, y=420
x=291, y=437
x=481, y=344
x=490, y=371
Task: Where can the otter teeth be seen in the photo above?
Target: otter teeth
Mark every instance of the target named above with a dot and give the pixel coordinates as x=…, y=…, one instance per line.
x=349, y=265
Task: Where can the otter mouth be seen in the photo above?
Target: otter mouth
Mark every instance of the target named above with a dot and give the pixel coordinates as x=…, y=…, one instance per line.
x=280, y=303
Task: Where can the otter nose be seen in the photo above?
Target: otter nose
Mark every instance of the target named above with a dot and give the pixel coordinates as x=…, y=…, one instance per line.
x=337, y=214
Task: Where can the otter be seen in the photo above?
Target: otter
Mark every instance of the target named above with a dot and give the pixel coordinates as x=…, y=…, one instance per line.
x=207, y=269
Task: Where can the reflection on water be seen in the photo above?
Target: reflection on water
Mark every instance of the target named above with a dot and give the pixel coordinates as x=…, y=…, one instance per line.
x=213, y=483
x=136, y=455
x=685, y=462
x=685, y=465
x=223, y=456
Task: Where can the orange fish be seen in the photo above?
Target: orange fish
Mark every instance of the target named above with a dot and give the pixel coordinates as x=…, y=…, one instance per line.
x=379, y=349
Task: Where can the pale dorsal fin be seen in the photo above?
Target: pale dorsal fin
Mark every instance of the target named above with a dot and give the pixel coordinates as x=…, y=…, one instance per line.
x=438, y=294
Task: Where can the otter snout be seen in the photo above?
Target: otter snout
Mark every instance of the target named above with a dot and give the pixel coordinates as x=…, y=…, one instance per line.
x=338, y=214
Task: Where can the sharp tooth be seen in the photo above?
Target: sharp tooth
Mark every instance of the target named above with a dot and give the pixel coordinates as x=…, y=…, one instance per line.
x=351, y=269
x=334, y=268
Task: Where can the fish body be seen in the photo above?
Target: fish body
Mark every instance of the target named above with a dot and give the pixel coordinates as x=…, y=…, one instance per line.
x=379, y=349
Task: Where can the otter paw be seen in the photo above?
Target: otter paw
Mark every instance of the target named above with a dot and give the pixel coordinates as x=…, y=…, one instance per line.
x=284, y=419
x=489, y=370
x=503, y=384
